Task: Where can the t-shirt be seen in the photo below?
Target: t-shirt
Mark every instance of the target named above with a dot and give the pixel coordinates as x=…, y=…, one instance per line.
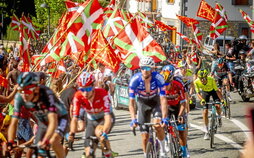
x=67, y=96
x=208, y=87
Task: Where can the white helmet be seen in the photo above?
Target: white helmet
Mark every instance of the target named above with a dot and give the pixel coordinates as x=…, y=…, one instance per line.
x=147, y=61
x=243, y=37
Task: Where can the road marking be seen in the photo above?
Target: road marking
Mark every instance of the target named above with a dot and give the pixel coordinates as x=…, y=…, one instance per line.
x=244, y=128
x=221, y=137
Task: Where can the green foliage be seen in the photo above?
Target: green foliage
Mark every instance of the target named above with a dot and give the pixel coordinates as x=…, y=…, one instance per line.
x=11, y=35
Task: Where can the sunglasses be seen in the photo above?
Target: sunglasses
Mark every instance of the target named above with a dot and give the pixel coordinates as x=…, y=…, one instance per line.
x=86, y=89
x=27, y=91
x=146, y=68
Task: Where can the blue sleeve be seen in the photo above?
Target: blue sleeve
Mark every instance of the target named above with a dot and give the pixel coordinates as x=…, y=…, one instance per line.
x=18, y=102
x=134, y=82
x=161, y=84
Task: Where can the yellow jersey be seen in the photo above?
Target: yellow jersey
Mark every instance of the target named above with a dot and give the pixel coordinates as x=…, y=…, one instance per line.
x=209, y=86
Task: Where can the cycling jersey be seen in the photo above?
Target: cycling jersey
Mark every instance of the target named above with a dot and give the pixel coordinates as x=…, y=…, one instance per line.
x=137, y=86
x=46, y=104
x=209, y=86
x=97, y=109
x=175, y=94
x=221, y=71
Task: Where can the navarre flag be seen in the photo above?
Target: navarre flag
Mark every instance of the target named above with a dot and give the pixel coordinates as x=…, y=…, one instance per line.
x=247, y=18
x=188, y=21
x=162, y=26
x=102, y=52
x=219, y=24
x=206, y=11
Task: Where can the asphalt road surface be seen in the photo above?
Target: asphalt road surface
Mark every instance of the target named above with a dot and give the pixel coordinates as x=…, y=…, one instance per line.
x=229, y=139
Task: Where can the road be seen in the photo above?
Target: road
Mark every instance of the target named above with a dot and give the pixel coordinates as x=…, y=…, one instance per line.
x=229, y=139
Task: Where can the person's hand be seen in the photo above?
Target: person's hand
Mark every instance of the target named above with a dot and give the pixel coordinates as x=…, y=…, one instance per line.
x=11, y=145
x=180, y=119
x=71, y=137
x=43, y=144
x=104, y=136
x=202, y=102
x=164, y=122
x=223, y=102
x=134, y=123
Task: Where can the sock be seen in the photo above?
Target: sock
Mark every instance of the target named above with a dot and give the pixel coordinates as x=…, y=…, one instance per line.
x=206, y=129
x=162, y=146
x=107, y=154
x=145, y=155
x=184, y=150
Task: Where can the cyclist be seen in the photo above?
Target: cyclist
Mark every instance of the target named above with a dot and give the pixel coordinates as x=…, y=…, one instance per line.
x=149, y=87
x=205, y=87
x=223, y=75
x=50, y=113
x=175, y=95
x=99, y=115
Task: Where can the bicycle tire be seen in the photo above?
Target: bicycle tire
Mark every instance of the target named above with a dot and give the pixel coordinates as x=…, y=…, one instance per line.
x=150, y=150
x=212, y=126
x=174, y=146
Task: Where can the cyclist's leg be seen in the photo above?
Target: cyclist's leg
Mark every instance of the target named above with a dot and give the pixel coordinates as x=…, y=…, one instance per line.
x=90, y=131
x=55, y=141
x=216, y=98
x=206, y=96
x=144, y=116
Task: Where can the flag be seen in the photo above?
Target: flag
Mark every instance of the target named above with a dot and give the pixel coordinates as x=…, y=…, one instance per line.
x=102, y=52
x=60, y=69
x=15, y=22
x=221, y=10
x=184, y=37
x=197, y=34
x=248, y=20
x=219, y=24
x=163, y=26
x=24, y=50
x=3, y=82
x=36, y=59
x=29, y=29
x=144, y=20
x=206, y=11
x=188, y=21
x=134, y=43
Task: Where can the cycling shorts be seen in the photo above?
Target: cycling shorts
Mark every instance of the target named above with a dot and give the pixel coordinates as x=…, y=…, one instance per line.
x=206, y=96
x=174, y=110
x=220, y=80
x=146, y=108
x=62, y=128
x=92, y=124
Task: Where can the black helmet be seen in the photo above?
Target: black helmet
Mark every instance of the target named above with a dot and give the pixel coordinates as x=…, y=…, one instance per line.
x=27, y=78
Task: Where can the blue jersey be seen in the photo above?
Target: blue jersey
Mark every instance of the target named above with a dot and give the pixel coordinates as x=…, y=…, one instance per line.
x=137, y=86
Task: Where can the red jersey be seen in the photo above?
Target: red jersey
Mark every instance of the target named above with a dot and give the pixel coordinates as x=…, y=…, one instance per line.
x=176, y=94
x=95, y=110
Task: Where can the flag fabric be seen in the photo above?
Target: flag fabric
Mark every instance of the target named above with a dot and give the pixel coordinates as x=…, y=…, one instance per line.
x=3, y=82
x=102, y=52
x=188, y=21
x=197, y=34
x=134, y=43
x=144, y=20
x=24, y=50
x=36, y=59
x=162, y=26
x=184, y=37
x=247, y=18
x=219, y=24
x=60, y=69
x=221, y=10
x=15, y=22
x=206, y=11
x=28, y=28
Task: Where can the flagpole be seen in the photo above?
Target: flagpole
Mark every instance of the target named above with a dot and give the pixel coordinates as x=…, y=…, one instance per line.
x=88, y=64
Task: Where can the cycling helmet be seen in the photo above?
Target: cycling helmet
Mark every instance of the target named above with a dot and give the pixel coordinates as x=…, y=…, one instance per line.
x=168, y=72
x=147, y=61
x=27, y=78
x=243, y=37
x=202, y=73
x=85, y=79
x=181, y=64
x=221, y=61
x=169, y=68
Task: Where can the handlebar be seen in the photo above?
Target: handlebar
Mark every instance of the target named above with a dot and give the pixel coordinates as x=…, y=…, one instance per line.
x=213, y=103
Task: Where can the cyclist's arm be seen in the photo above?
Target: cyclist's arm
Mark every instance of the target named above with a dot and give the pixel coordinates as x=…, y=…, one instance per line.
x=132, y=87
x=182, y=108
x=75, y=113
x=107, y=112
x=164, y=106
x=182, y=100
x=52, y=124
x=12, y=129
x=132, y=108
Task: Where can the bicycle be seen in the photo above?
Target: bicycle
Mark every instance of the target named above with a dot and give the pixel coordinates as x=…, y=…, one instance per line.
x=213, y=122
x=172, y=138
x=37, y=151
x=226, y=108
x=152, y=147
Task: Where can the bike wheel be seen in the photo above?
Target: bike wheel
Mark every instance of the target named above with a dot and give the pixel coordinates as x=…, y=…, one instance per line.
x=212, y=128
x=174, y=147
x=150, y=153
